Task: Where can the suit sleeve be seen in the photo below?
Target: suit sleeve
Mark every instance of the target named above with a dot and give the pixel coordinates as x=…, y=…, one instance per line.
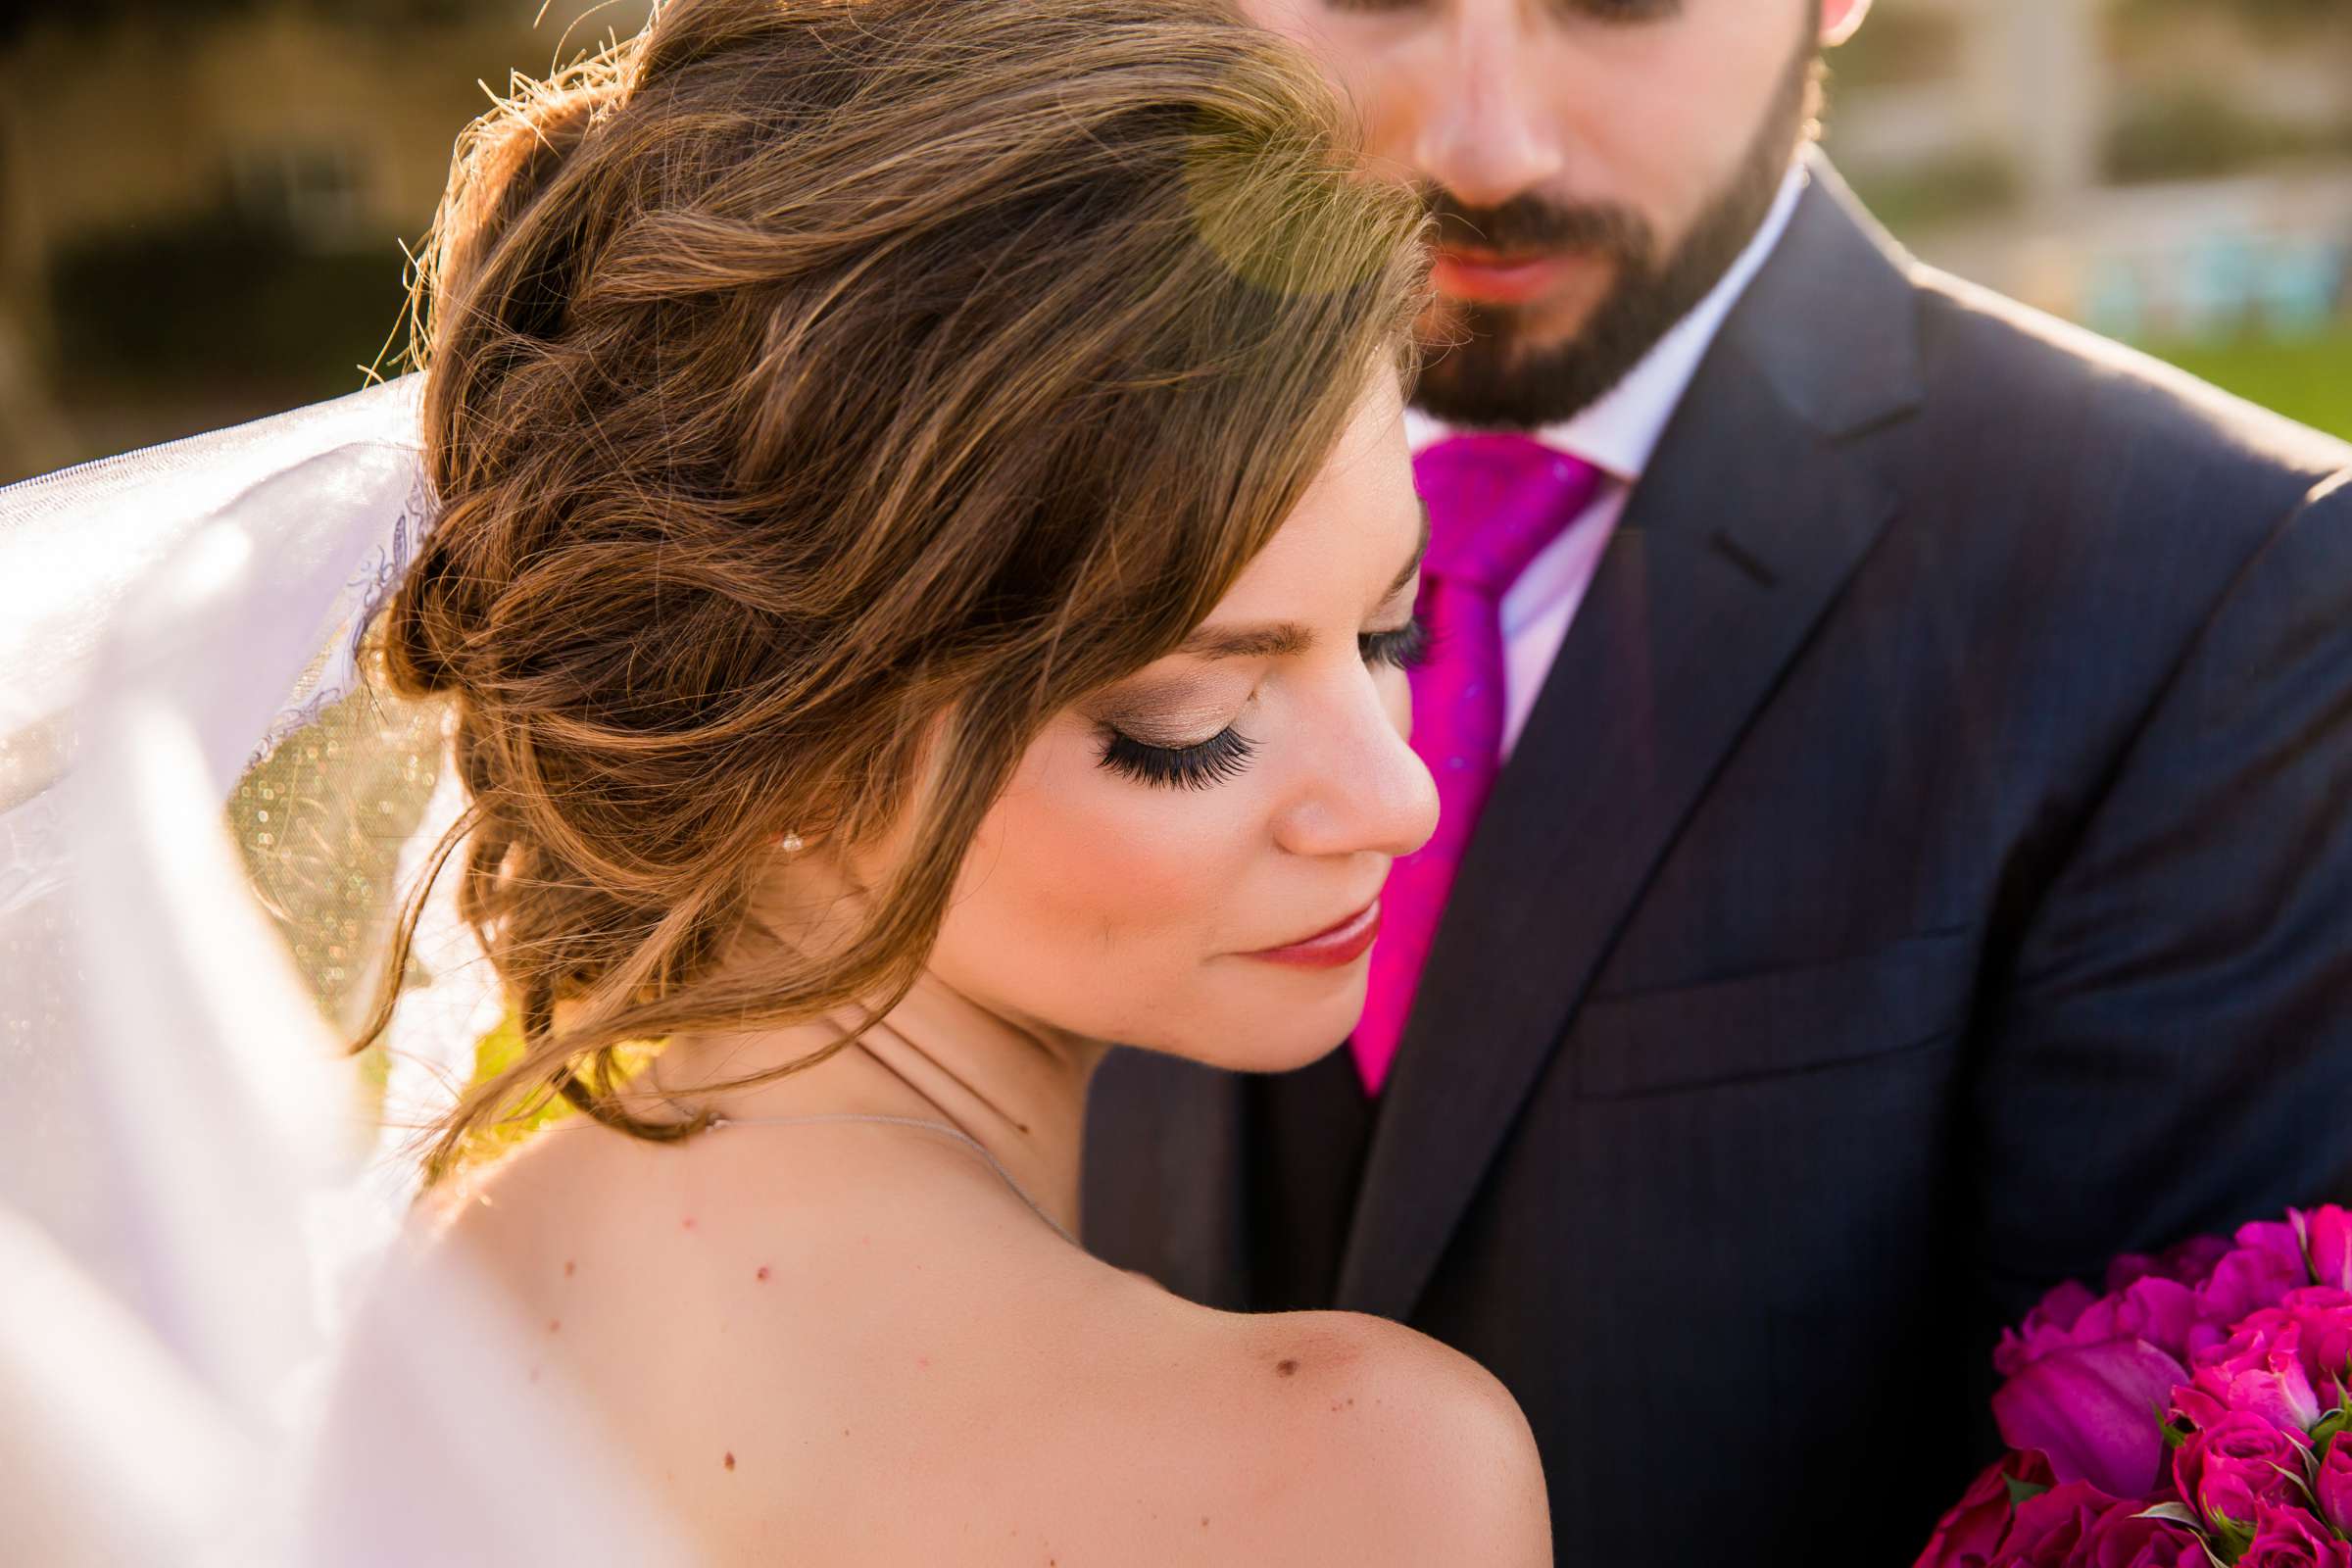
x=2171, y=1051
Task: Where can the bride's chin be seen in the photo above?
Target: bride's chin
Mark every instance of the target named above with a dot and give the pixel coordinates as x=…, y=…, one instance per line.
x=1307, y=1040
x=1290, y=1061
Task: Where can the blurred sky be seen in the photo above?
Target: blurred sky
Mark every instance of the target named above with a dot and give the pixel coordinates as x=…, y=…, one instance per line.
x=201, y=201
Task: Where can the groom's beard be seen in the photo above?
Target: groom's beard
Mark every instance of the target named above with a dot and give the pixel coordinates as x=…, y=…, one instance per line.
x=1483, y=374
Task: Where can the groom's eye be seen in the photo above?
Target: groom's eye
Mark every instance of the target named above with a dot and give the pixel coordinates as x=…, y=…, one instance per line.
x=1623, y=10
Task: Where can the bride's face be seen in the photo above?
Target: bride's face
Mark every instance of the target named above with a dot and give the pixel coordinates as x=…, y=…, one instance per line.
x=1191, y=861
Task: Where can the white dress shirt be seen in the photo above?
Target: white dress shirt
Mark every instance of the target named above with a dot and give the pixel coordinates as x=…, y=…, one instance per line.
x=1616, y=436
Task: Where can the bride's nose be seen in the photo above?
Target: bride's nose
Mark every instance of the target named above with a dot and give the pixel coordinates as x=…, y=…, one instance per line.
x=1364, y=789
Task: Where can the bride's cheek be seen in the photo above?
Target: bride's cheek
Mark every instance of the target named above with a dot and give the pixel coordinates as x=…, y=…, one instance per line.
x=1127, y=863
x=1088, y=890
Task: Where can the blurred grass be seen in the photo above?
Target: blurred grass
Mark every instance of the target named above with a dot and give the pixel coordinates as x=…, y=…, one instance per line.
x=2304, y=378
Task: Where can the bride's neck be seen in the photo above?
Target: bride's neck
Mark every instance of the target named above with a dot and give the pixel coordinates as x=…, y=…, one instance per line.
x=1018, y=1090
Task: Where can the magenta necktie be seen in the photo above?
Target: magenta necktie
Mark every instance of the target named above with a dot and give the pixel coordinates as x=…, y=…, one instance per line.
x=1495, y=502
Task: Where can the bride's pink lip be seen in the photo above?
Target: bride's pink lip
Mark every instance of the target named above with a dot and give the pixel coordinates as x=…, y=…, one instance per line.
x=1493, y=279
x=1342, y=943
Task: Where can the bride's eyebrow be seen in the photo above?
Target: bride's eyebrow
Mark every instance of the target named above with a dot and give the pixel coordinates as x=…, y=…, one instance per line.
x=1272, y=640
x=1280, y=638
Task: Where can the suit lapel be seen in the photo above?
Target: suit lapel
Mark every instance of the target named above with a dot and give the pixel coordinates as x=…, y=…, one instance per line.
x=1750, y=522
x=1163, y=1174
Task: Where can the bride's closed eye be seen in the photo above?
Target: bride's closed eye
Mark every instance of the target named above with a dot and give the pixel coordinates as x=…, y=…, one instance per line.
x=1226, y=754
x=1402, y=648
x=1221, y=756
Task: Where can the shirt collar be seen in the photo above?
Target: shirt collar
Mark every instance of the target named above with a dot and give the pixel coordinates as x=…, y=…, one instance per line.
x=1618, y=433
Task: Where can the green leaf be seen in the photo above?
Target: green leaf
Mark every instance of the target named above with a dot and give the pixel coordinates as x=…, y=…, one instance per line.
x=2302, y=1483
x=2181, y=1514
x=2020, y=1491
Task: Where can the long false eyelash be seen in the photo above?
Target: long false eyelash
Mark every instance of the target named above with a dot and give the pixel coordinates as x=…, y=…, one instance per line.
x=1224, y=754
x=1221, y=756
x=1401, y=649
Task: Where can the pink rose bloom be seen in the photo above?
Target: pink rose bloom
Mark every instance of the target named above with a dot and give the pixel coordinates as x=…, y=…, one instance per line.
x=2162, y=1312
x=2324, y=1312
x=2181, y=1302
x=2333, y=1489
x=2050, y=1326
x=2122, y=1540
x=2260, y=1371
x=2191, y=1263
x=2314, y=1322
x=2096, y=1410
x=2328, y=1241
x=2049, y=1531
x=2266, y=1263
x=2289, y=1538
x=1968, y=1535
x=2236, y=1463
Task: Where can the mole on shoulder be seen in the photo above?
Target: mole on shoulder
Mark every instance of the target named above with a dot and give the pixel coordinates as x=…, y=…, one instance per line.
x=1286, y=1367
x=730, y=1460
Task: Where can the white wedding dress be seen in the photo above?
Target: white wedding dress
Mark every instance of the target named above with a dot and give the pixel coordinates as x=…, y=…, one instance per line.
x=205, y=815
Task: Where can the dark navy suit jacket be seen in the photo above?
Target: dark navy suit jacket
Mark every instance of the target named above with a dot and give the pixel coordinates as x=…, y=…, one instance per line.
x=1927, y=873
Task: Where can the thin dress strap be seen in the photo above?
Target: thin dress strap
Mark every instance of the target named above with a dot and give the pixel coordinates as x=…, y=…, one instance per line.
x=940, y=1127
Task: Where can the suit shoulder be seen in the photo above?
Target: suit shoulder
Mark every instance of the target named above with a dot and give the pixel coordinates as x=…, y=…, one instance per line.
x=2039, y=373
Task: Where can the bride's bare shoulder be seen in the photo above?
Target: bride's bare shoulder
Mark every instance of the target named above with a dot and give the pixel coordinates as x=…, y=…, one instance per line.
x=1335, y=1438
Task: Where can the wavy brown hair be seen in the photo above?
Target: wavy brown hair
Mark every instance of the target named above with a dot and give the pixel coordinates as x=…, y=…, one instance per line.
x=820, y=395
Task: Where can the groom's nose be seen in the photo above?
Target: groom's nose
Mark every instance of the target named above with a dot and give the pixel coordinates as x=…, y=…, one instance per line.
x=1486, y=130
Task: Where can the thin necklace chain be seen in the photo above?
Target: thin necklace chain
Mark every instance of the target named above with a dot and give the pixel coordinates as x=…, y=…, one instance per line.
x=942, y=1128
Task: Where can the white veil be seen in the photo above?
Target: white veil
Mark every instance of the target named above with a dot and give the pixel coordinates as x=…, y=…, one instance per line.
x=205, y=817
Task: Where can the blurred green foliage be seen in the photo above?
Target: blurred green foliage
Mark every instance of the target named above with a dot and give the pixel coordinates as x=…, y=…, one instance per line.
x=1971, y=182
x=223, y=296
x=1900, y=47
x=525, y=1117
x=2309, y=380
x=2271, y=15
x=2194, y=133
x=21, y=15
x=493, y=1054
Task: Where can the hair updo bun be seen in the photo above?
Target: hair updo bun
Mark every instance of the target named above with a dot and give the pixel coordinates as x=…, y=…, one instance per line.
x=504, y=161
x=820, y=395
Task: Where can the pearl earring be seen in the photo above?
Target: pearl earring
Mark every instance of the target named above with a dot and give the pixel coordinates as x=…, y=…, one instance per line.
x=792, y=844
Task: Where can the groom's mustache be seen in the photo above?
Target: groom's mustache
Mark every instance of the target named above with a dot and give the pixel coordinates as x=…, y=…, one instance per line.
x=1528, y=224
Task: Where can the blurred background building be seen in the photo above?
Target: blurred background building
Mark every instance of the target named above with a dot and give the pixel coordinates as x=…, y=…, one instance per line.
x=202, y=202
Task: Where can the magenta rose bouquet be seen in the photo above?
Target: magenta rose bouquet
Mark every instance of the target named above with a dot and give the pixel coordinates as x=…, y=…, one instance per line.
x=2192, y=1416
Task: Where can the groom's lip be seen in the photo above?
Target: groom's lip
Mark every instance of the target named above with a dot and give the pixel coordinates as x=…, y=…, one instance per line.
x=1331, y=948
x=1491, y=278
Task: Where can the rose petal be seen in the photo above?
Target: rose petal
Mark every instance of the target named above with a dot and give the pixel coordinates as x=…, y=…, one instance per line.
x=2096, y=1410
